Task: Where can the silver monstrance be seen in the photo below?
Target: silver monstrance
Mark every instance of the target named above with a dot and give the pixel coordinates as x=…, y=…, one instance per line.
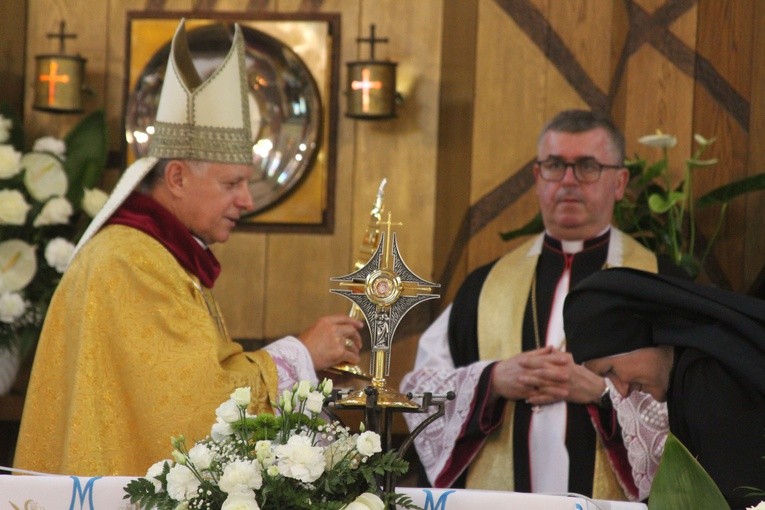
x=384, y=289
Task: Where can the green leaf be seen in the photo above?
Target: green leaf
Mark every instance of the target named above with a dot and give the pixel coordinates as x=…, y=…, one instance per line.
x=86, y=151
x=532, y=227
x=681, y=482
x=732, y=190
x=660, y=203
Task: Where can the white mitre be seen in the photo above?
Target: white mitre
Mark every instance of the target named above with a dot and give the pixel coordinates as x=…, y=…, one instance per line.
x=200, y=120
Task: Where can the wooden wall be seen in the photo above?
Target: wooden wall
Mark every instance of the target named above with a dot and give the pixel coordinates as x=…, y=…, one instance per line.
x=484, y=75
x=682, y=66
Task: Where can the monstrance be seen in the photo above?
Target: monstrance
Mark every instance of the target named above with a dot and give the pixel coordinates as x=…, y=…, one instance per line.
x=384, y=289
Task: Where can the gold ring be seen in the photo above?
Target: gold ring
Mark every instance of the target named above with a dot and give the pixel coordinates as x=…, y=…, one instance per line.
x=349, y=343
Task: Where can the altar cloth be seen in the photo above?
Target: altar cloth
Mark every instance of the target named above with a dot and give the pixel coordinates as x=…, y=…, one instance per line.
x=107, y=493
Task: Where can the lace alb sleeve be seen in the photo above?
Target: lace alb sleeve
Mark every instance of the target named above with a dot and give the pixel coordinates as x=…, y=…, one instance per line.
x=645, y=424
x=434, y=372
x=293, y=362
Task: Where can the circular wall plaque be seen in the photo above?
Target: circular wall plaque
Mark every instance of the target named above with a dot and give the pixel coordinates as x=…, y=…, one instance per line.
x=285, y=105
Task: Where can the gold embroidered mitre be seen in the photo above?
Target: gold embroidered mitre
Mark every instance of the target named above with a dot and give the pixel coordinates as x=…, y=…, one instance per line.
x=201, y=120
x=204, y=120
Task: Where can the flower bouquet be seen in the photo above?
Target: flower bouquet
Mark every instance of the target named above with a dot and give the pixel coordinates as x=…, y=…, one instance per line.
x=47, y=197
x=291, y=460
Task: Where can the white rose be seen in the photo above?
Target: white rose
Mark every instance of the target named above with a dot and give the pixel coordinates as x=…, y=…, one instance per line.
x=314, y=402
x=303, y=388
x=93, y=200
x=241, y=476
x=9, y=161
x=56, y=211
x=201, y=456
x=366, y=501
x=13, y=207
x=240, y=502
x=58, y=253
x=241, y=396
x=44, y=175
x=368, y=443
x=12, y=306
x=181, y=483
x=326, y=387
x=300, y=460
x=5, y=128
x=228, y=411
x=264, y=453
x=50, y=144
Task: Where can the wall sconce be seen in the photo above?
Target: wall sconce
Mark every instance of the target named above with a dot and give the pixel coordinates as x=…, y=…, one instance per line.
x=58, y=78
x=371, y=86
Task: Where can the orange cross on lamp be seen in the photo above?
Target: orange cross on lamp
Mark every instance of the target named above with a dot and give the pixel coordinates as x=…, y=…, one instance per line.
x=53, y=78
x=365, y=85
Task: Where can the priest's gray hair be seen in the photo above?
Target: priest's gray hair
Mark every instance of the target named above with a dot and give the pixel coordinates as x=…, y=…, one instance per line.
x=580, y=121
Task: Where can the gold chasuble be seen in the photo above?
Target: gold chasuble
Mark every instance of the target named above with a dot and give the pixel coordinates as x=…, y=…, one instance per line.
x=499, y=337
x=158, y=362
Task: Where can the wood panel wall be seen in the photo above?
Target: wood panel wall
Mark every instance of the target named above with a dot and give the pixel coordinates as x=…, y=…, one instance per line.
x=682, y=66
x=481, y=77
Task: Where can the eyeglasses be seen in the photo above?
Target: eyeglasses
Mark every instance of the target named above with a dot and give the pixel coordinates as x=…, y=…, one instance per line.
x=585, y=169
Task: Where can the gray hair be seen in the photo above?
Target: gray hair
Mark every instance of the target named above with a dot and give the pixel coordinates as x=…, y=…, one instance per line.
x=580, y=121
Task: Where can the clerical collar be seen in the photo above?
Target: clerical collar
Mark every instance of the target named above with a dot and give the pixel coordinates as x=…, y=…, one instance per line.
x=149, y=216
x=576, y=246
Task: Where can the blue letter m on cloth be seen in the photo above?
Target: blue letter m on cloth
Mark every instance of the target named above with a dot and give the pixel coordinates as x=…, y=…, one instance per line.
x=79, y=493
x=438, y=505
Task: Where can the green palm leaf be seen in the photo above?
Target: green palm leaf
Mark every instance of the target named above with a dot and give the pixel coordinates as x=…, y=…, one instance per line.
x=681, y=482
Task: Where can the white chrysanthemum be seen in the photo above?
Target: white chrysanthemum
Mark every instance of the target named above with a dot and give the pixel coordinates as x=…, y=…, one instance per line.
x=5, y=128
x=52, y=145
x=56, y=211
x=228, y=411
x=9, y=161
x=660, y=140
x=12, y=306
x=314, y=402
x=201, y=456
x=241, y=397
x=240, y=502
x=93, y=200
x=153, y=472
x=368, y=443
x=18, y=265
x=241, y=476
x=300, y=460
x=366, y=501
x=58, y=253
x=221, y=431
x=181, y=483
x=13, y=207
x=44, y=175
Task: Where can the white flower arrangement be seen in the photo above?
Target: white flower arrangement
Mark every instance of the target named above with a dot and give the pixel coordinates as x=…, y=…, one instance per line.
x=46, y=201
x=294, y=459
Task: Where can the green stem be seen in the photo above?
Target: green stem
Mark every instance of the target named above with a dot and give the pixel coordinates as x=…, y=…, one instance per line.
x=718, y=228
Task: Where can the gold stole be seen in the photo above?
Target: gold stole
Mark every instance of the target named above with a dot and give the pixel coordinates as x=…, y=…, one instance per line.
x=499, y=337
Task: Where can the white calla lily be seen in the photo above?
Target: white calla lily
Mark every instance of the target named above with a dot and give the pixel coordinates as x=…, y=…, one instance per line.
x=44, y=175
x=18, y=265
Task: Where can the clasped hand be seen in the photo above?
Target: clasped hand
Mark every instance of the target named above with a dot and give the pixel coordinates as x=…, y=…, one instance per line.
x=545, y=376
